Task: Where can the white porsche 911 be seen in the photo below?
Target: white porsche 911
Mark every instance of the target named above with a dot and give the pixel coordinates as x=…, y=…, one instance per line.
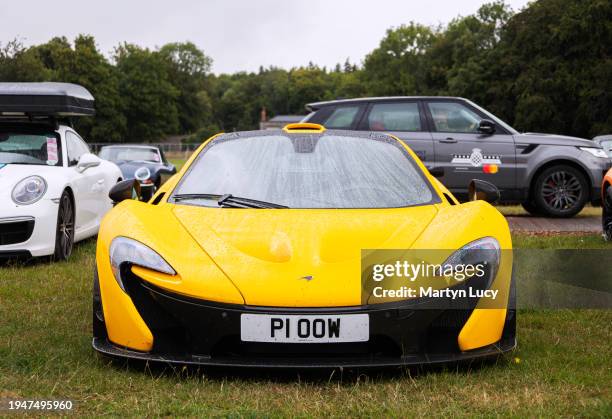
x=53, y=190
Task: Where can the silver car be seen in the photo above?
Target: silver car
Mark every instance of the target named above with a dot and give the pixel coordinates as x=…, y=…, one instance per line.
x=550, y=175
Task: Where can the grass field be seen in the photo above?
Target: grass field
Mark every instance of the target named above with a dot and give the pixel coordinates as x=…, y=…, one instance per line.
x=562, y=366
x=587, y=211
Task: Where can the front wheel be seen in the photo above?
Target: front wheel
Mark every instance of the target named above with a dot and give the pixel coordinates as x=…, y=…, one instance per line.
x=99, y=327
x=531, y=208
x=560, y=191
x=64, y=232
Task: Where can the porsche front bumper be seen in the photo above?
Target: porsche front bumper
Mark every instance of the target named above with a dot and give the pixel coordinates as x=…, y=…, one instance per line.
x=192, y=331
x=38, y=239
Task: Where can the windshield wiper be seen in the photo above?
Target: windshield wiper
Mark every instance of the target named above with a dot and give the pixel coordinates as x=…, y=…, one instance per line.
x=230, y=201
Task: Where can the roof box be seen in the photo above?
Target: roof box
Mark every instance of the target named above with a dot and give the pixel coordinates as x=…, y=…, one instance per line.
x=45, y=99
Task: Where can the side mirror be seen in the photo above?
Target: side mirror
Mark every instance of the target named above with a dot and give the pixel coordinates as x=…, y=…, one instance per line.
x=486, y=126
x=86, y=161
x=436, y=171
x=483, y=190
x=126, y=189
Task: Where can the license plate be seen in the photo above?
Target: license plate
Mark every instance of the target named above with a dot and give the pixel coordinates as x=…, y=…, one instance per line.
x=304, y=328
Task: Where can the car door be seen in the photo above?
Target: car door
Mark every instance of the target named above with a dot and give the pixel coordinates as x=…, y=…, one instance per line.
x=405, y=120
x=88, y=185
x=465, y=153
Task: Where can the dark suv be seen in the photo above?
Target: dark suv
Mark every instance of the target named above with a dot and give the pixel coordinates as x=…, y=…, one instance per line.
x=548, y=174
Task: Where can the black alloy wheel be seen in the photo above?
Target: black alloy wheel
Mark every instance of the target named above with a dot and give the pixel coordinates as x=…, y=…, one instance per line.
x=64, y=234
x=531, y=207
x=561, y=191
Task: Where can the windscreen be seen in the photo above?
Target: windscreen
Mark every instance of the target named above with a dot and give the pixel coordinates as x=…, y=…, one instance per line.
x=42, y=148
x=116, y=154
x=309, y=171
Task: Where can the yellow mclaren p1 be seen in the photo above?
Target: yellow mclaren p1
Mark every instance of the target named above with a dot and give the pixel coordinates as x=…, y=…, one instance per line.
x=268, y=249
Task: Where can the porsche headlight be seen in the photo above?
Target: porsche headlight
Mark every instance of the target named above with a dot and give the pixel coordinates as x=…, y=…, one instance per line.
x=29, y=190
x=131, y=252
x=485, y=252
x=597, y=152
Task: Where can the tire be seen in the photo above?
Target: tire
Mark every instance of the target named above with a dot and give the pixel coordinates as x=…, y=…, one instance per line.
x=531, y=208
x=560, y=191
x=606, y=214
x=64, y=232
x=99, y=327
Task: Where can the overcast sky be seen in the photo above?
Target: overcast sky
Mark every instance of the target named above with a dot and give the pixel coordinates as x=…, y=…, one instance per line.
x=240, y=35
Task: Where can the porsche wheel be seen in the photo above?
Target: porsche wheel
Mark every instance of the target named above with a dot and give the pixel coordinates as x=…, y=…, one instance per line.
x=64, y=233
x=561, y=191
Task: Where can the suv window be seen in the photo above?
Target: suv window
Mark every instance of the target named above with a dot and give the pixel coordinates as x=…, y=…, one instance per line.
x=75, y=148
x=453, y=117
x=342, y=117
x=394, y=117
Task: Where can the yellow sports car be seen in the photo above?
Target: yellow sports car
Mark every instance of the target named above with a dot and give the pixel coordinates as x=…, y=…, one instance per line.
x=291, y=248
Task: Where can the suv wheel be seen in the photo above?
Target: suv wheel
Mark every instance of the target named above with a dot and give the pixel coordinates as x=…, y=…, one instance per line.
x=560, y=191
x=531, y=207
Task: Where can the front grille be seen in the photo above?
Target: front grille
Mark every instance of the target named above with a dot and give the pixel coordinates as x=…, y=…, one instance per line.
x=15, y=230
x=378, y=346
x=184, y=325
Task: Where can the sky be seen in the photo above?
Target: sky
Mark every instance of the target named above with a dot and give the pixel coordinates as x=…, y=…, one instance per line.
x=239, y=35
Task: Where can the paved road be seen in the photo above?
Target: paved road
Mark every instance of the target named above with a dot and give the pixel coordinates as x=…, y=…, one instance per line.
x=524, y=223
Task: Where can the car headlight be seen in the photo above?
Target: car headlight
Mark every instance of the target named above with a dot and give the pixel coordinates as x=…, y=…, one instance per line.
x=485, y=251
x=131, y=252
x=142, y=174
x=29, y=190
x=597, y=152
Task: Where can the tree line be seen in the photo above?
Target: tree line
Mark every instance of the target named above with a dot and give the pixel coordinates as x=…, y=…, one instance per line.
x=544, y=69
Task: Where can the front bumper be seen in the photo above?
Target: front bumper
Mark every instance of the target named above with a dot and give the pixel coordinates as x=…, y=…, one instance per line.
x=192, y=331
x=40, y=240
x=105, y=347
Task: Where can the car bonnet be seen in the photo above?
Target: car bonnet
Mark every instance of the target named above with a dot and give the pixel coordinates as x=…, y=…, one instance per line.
x=299, y=257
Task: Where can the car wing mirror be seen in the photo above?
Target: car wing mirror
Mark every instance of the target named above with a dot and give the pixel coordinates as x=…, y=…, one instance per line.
x=126, y=189
x=436, y=172
x=486, y=126
x=483, y=190
x=87, y=161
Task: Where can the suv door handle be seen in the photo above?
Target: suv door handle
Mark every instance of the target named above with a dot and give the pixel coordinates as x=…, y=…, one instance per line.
x=448, y=140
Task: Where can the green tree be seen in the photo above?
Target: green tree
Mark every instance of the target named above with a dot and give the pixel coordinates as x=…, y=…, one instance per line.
x=399, y=65
x=557, y=66
x=187, y=69
x=150, y=98
x=18, y=63
x=461, y=58
x=86, y=66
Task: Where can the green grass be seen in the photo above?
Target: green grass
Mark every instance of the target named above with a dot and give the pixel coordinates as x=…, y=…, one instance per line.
x=514, y=210
x=178, y=162
x=559, y=241
x=562, y=366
